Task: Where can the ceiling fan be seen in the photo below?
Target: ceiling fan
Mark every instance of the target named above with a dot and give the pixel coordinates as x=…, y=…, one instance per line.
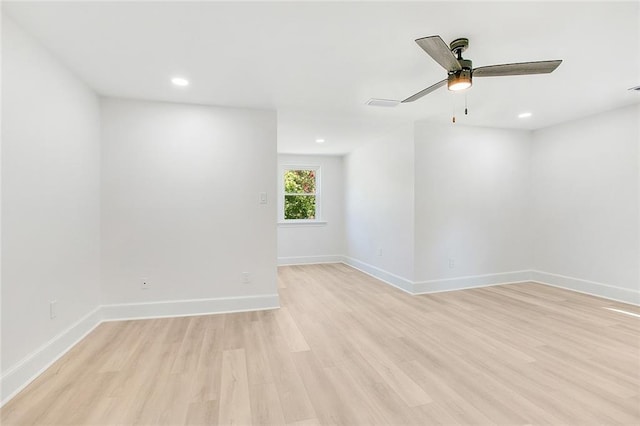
x=461, y=72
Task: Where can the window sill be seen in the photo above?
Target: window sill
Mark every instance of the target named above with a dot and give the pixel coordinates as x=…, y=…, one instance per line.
x=301, y=223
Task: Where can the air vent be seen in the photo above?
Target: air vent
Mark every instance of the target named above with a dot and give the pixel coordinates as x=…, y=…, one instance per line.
x=636, y=88
x=382, y=102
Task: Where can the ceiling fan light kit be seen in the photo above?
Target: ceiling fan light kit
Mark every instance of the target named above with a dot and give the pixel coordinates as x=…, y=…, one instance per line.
x=460, y=71
x=459, y=80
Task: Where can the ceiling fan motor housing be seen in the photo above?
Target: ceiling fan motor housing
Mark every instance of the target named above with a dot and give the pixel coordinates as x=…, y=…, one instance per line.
x=459, y=45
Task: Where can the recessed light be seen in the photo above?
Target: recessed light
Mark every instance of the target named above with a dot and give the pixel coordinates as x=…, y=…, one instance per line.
x=524, y=115
x=179, y=81
x=319, y=140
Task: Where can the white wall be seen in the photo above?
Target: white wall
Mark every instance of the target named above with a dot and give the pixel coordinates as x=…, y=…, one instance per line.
x=585, y=199
x=180, y=192
x=50, y=200
x=316, y=243
x=379, y=204
x=472, y=195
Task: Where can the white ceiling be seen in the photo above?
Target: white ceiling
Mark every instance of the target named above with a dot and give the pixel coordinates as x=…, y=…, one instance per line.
x=318, y=63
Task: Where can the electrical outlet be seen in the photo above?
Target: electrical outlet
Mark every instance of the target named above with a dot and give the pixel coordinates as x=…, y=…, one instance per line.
x=246, y=278
x=379, y=251
x=53, y=309
x=452, y=263
x=145, y=284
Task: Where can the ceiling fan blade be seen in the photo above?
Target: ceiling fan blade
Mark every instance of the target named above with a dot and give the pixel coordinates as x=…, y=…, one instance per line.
x=425, y=91
x=522, y=68
x=440, y=52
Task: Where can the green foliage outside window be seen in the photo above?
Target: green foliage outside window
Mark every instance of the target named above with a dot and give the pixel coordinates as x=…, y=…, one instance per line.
x=300, y=194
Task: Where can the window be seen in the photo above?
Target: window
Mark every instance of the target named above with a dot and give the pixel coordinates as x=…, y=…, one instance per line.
x=300, y=186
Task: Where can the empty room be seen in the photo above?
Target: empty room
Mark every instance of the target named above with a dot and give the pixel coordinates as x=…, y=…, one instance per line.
x=320, y=213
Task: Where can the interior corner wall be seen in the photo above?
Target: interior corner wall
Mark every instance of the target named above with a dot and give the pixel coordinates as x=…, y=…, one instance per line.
x=585, y=176
x=379, y=207
x=50, y=207
x=316, y=243
x=180, y=208
x=472, y=192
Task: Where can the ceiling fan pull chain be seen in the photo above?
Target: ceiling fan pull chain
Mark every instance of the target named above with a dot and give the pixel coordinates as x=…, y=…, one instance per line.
x=453, y=104
x=466, y=112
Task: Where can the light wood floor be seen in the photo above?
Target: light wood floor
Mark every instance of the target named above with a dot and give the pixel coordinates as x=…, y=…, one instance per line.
x=346, y=349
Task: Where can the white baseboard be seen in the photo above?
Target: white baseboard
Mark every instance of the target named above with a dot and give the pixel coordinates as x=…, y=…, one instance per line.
x=385, y=276
x=310, y=260
x=29, y=368
x=473, y=281
x=470, y=281
x=182, y=308
x=588, y=287
x=437, y=286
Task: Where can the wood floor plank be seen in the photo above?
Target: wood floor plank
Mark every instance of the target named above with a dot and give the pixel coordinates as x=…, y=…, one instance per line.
x=346, y=349
x=234, y=327
x=292, y=335
x=266, y=408
x=204, y=413
x=308, y=422
x=363, y=406
x=373, y=352
x=258, y=367
x=293, y=395
x=189, y=352
x=206, y=382
x=235, y=407
x=330, y=407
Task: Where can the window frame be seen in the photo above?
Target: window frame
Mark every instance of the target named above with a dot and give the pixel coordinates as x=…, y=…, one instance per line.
x=283, y=168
